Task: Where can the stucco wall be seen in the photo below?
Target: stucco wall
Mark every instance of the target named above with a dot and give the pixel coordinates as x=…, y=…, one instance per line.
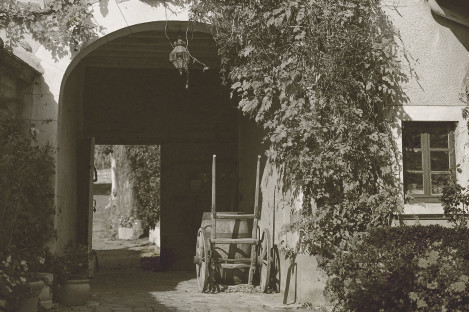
x=437, y=65
x=437, y=52
x=67, y=161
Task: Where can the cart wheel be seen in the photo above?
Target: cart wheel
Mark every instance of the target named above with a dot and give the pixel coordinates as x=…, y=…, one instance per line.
x=201, y=265
x=264, y=260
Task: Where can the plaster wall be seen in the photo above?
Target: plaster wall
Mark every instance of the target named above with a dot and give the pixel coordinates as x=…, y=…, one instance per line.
x=67, y=161
x=299, y=277
x=437, y=52
x=437, y=64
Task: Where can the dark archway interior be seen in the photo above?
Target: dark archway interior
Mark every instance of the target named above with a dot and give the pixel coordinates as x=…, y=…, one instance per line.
x=152, y=106
x=127, y=92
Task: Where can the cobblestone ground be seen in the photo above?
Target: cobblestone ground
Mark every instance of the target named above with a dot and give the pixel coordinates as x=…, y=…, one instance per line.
x=121, y=285
x=135, y=290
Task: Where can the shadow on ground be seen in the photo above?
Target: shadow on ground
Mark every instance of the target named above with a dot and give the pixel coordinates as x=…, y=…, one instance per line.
x=133, y=289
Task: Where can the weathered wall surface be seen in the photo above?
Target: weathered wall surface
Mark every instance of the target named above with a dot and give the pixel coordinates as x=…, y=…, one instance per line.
x=67, y=161
x=437, y=50
x=299, y=278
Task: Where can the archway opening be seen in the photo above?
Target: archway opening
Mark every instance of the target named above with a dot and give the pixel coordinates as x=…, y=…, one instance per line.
x=127, y=92
x=126, y=206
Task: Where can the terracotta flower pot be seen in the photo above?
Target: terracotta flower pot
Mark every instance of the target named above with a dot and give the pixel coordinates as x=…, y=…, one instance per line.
x=30, y=303
x=74, y=292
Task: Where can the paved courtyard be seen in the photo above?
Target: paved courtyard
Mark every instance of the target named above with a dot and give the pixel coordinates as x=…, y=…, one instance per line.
x=122, y=284
x=135, y=290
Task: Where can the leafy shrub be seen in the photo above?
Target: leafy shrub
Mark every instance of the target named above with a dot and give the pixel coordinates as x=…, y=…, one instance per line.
x=418, y=268
x=455, y=200
x=145, y=164
x=73, y=263
x=26, y=206
x=127, y=222
x=102, y=156
x=75, y=259
x=319, y=77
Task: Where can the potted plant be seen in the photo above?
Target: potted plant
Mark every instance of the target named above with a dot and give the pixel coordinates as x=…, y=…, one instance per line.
x=71, y=279
x=20, y=286
x=26, y=214
x=125, y=230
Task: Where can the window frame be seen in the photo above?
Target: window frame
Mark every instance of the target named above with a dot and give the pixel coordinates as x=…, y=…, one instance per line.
x=426, y=149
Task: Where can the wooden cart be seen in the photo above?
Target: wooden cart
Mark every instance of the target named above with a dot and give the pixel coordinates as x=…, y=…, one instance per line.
x=236, y=245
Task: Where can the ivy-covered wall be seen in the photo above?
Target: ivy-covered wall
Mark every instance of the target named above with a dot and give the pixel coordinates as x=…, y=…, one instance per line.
x=437, y=53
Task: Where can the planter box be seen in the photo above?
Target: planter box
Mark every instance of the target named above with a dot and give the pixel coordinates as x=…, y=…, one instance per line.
x=125, y=233
x=30, y=303
x=74, y=292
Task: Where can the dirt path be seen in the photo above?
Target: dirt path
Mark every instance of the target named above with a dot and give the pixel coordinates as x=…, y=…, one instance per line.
x=114, y=253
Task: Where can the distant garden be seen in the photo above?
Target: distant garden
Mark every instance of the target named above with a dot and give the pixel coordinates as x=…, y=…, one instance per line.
x=140, y=166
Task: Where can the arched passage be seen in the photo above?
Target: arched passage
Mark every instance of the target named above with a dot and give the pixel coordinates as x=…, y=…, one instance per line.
x=125, y=91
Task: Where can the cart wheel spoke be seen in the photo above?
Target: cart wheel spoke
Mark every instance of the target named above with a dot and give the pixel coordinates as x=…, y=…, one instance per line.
x=264, y=260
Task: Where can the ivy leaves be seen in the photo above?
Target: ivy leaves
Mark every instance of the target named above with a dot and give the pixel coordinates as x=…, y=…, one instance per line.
x=59, y=26
x=318, y=76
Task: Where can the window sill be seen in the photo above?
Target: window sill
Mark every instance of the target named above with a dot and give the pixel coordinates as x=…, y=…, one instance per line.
x=425, y=199
x=423, y=208
x=434, y=216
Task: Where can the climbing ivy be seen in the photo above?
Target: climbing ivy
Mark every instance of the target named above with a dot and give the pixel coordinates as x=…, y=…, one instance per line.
x=319, y=77
x=144, y=164
x=144, y=160
x=59, y=25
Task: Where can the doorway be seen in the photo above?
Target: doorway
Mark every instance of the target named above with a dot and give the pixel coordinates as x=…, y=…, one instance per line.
x=126, y=206
x=123, y=103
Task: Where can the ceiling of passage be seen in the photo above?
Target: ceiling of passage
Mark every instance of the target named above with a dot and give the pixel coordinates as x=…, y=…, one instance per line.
x=150, y=49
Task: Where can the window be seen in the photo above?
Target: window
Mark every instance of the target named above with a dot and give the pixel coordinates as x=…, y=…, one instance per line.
x=428, y=157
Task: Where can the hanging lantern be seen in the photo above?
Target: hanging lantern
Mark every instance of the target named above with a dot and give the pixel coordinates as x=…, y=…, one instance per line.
x=180, y=56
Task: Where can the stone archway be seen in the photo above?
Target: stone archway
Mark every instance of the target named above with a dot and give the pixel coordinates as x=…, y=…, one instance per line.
x=55, y=94
x=125, y=91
